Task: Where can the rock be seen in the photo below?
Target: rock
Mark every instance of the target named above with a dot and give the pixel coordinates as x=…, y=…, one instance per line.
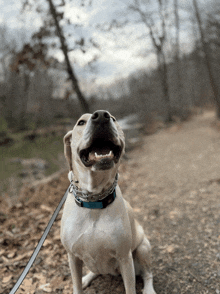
x=23, y=174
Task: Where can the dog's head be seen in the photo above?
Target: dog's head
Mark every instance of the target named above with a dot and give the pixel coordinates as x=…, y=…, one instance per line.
x=96, y=142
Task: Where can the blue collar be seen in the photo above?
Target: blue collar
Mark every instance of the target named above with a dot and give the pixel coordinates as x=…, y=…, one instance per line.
x=100, y=204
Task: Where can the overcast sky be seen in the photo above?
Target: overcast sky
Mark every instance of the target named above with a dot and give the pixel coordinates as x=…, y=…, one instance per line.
x=121, y=52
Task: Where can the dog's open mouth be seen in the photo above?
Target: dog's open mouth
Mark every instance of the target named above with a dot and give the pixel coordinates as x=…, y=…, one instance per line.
x=102, y=152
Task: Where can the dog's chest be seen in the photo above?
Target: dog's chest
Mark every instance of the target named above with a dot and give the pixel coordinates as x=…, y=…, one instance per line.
x=97, y=239
x=97, y=246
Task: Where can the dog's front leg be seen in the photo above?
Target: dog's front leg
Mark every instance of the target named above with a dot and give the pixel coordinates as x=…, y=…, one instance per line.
x=128, y=273
x=76, y=273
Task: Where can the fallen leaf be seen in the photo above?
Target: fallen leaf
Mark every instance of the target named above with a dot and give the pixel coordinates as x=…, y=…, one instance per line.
x=46, y=208
x=11, y=254
x=9, y=234
x=5, y=280
x=174, y=213
x=47, y=242
x=169, y=248
x=46, y=288
x=57, y=235
x=22, y=256
x=56, y=282
x=41, y=278
x=5, y=260
x=2, y=251
x=27, y=286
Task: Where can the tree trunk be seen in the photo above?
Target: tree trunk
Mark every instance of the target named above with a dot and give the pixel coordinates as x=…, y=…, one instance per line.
x=206, y=49
x=158, y=40
x=162, y=67
x=180, y=100
x=75, y=85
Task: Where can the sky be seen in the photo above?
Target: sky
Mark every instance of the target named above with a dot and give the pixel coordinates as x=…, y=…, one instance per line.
x=121, y=51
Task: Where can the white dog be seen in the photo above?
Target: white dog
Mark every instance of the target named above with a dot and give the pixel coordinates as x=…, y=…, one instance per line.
x=98, y=226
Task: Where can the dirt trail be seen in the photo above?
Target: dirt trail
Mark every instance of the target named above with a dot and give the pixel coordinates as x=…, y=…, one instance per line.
x=173, y=183
x=174, y=188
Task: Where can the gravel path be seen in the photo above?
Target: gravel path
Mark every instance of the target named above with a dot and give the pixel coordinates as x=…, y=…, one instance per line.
x=175, y=190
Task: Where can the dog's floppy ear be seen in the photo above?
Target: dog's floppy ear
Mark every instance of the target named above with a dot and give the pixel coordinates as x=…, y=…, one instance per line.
x=67, y=148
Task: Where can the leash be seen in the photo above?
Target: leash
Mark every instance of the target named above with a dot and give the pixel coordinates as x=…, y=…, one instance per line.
x=39, y=245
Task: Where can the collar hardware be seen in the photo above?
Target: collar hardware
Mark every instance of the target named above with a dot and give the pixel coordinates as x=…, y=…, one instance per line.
x=101, y=204
x=77, y=192
x=93, y=201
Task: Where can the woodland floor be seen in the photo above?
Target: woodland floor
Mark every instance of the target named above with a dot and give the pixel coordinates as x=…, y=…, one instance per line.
x=172, y=181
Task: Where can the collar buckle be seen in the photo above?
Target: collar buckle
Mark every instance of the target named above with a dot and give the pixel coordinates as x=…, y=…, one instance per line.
x=79, y=202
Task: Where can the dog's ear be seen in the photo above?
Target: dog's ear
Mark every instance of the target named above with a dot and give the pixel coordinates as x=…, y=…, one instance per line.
x=67, y=148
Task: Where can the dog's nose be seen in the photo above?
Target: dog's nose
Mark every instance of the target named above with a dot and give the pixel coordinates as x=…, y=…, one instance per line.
x=100, y=116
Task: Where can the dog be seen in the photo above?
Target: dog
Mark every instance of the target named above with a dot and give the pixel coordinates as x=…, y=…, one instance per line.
x=98, y=227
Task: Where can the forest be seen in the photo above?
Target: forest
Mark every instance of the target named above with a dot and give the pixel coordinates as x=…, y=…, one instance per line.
x=36, y=88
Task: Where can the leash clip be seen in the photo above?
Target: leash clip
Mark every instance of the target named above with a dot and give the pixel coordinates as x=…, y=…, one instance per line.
x=71, y=188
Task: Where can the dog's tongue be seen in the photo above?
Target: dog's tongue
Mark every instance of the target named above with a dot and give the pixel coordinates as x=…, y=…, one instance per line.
x=100, y=153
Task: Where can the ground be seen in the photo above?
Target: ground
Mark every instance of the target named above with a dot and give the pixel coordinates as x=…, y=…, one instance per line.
x=172, y=181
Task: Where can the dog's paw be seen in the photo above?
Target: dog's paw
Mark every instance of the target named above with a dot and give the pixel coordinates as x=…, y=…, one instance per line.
x=87, y=279
x=149, y=291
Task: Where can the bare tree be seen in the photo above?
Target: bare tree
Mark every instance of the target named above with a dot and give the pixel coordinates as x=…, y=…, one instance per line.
x=52, y=28
x=207, y=57
x=7, y=49
x=72, y=76
x=212, y=30
x=158, y=38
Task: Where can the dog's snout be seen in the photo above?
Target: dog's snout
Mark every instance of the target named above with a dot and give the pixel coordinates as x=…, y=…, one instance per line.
x=100, y=116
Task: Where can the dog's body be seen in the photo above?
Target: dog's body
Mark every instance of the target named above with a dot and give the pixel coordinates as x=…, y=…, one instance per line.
x=109, y=240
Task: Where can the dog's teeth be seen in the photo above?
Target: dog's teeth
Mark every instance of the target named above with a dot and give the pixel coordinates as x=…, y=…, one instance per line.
x=98, y=155
x=109, y=154
x=103, y=155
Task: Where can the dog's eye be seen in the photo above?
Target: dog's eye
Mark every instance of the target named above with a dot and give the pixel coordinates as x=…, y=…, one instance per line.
x=81, y=122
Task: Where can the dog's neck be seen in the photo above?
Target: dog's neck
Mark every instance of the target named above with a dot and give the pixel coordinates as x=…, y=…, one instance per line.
x=93, y=182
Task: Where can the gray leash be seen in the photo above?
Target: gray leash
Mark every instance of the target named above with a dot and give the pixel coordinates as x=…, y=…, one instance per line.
x=39, y=245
